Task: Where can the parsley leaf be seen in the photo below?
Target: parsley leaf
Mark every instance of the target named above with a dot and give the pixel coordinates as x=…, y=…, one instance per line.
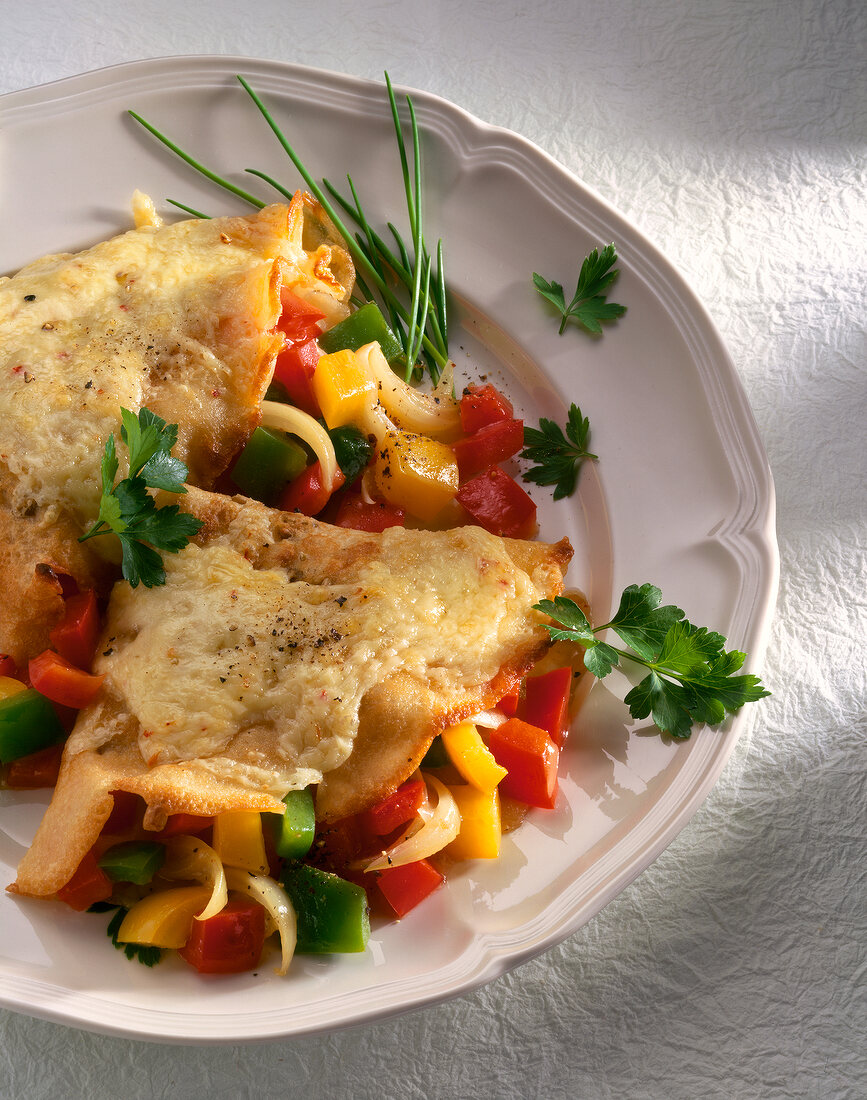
x=557, y=455
x=690, y=675
x=129, y=511
x=588, y=306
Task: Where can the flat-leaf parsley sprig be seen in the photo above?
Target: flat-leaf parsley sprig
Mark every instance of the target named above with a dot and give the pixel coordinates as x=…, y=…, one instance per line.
x=557, y=455
x=129, y=511
x=588, y=306
x=690, y=677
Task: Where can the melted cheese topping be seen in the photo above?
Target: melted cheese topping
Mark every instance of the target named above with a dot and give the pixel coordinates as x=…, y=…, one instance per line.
x=222, y=647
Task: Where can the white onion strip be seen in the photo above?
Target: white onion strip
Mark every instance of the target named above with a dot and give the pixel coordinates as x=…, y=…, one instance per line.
x=274, y=899
x=286, y=418
x=188, y=857
x=435, y=414
x=440, y=829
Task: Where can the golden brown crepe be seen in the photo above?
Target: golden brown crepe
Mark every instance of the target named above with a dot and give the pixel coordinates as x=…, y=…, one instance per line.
x=282, y=652
x=180, y=319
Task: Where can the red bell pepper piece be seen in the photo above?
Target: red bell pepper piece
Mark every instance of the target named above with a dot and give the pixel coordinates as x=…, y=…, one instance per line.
x=404, y=887
x=194, y=824
x=308, y=493
x=55, y=678
x=126, y=813
x=8, y=667
x=482, y=405
x=397, y=809
x=230, y=942
x=360, y=515
x=499, y=504
x=531, y=758
x=491, y=444
x=76, y=636
x=294, y=369
x=546, y=703
x=299, y=320
x=39, y=769
x=509, y=703
x=88, y=885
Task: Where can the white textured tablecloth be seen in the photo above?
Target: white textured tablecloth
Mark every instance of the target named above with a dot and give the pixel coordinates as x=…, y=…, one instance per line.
x=734, y=134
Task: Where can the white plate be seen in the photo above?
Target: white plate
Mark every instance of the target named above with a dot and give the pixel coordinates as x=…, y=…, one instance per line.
x=682, y=497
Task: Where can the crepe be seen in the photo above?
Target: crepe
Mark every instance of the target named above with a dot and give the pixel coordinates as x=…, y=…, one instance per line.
x=282, y=652
x=181, y=319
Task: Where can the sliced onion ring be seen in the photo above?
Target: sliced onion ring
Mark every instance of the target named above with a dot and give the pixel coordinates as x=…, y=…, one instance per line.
x=286, y=418
x=434, y=414
x=440, y=829
x=274, y=899
x=189, y=857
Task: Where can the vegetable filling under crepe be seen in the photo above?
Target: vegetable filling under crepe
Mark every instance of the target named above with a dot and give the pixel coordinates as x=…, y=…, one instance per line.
x=282, y=652
x=179, y=318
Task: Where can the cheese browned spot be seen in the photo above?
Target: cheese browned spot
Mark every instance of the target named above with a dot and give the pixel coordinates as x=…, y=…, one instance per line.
x=282, y=652
x=178, y=318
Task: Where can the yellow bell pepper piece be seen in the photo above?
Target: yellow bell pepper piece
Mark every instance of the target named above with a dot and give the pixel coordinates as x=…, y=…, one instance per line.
x=164, y=919
x=239, y=842
x=471, y=756
x=9, y=686
x=343, y=387
x=480, y=833
x=415, y=473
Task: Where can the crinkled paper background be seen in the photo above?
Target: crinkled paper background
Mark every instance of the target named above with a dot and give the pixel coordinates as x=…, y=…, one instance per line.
x=734, y=134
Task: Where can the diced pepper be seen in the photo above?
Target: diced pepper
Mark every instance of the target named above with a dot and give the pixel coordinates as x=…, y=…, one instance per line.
x=352, y=450
x=179, y=824
x=417, y=474
x=436, y=756
x=10, y=685
x=509, y=703
x=8, y=667
x=359, y=515
x=126, y=813
x=230, y=942
x=332, y=913
x=294, y=370
x=299, y=320
x=87, y=886
x=491, y=444
x=76, y=636
x=397, y=809
x=481, y=831
x=164, y=918
x=267, y=464
x=136, y=862
x=471, y=757
x=343, y=388
x=28, y=723
x=482, y=405
x=546, y=703
x=364, y=326
x=295, y=829
x=531, y=759
x=55, y=678
x=404, y=887
x=499, y=504
x=35, y=771
x=239, y=842
x=308, y=493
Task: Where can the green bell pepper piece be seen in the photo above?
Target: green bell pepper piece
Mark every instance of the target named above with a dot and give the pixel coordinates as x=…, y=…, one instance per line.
x=294, y=830
x=28, y=723
x=362, y=327
x=136, y=861
x=352, y=450
x=436, y=756
x=332, y=913
x=268, y=463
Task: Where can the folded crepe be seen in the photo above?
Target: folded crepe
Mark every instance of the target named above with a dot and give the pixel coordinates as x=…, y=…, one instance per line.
x=181, y=319
x=283, y=652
